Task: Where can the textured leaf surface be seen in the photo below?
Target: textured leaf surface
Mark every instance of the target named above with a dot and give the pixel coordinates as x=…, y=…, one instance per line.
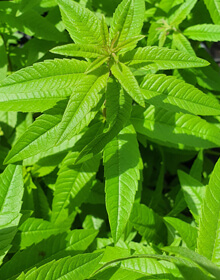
x=4, y=60
x=78, y=267
x=148, y=223
x=40, y=87
x=81, y=50
x=53, y=248
x=182, y=130
x=34, y=230
x=11, y=186
x=169, y=92
x=121, y=178
x=203, y=32
x=181, y=43
x=124, y=75
x=186, y=231
x=70, y=183
x=82, y=24
x=214, y=9
x=83, y=99
x=209, y=221
x=160, y=58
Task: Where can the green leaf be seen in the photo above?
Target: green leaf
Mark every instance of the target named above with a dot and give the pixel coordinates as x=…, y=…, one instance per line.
x=79, y=267
x=170, y=93
x=122, y=177
x=186, y=231
x=34, y=230
x=214, y=9
x=127, y=19
x=148, y=223
x=120, y=115
x=40, y=87
x=11, y=185
x=81, y=50
x=83, y=100
x=72, y=183
x=82, y=25
x=181, y=130
x=160, y=58
x=97, y=63
x=193, y=192
x=128, y=44
x=181, y=43
x=209, y=219
x=104, y=32
x=195, y=257
x=182, y=12
x=4, y=59
x=53, y=248
x=124, y=75
x=203, y=32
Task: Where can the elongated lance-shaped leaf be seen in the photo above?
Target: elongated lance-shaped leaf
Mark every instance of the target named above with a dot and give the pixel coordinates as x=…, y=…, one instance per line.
x=34, y=230
x=128, y=44
x=176, y=129
x=181, y=43
x=40, y=136
x=182, y=12
x=54, y=248
x=82, y=25
x=79, y=267
x=209, y=221
x=214, y=9
x=127, y=19
x=121, y=178
x=4, y=59
x=40, y=87
x=104, y=32
x=72, y=184
x=124, y=75
x=203, y=32
x=79, y=50
x=11, y=185
x=187, y=232
x=98, y=62
x=173, y=94
x=82, y=101
x=119, y=119
x=160, y=58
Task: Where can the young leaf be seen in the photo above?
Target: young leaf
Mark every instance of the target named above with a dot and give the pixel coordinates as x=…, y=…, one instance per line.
x=79, y=50
x=4, y=59
x=124, y=75
x=209, y=220
x=79, y=267
x=53, y=248
x=181, y=13
x=121, y=178
x=214, y=9
x=182, y=130
x=40, y=87
x=160, y=58
x=71, y=181
x=168, y=92
x=97, y=63
x=82, y=25
x=104, y=32
x=181, y=43
x=127, y=19
x=203, y=32
x=186, y=231
x=10, y=205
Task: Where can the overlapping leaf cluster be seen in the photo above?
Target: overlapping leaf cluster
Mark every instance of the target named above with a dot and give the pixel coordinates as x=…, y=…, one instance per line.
x=106, y=140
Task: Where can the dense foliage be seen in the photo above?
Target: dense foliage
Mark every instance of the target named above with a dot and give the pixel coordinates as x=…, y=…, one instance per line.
x=109, y=117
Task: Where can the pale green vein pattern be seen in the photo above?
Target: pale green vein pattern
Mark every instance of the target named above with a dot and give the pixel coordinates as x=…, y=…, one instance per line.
x=41, y=86
x=121, y=168
x=79, y=267
x=182, y=130
x=11, y=192
x=209, y=228
x=160, y=58
x=214, y=9
x=82, y=24
x=172, y=94
x=203, y=32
